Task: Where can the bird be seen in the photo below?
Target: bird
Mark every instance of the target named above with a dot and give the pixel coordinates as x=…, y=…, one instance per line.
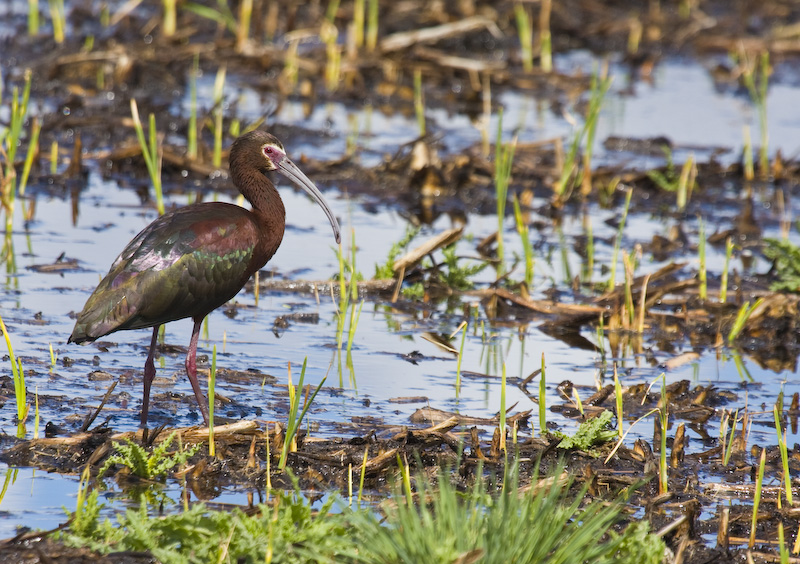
x=192, y=260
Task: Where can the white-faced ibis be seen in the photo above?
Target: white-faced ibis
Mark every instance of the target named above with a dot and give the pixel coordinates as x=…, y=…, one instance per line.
x=190, y=261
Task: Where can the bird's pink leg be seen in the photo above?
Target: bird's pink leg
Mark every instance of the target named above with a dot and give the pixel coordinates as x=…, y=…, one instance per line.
x=149, y=375
x=191, y=369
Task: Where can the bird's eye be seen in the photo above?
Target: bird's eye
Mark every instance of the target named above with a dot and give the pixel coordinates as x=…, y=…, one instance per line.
x=268, y=150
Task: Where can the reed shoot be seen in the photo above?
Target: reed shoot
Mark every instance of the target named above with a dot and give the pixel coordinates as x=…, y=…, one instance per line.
x=525, y=36
x=787, y=477
x=219, y=110
x=542, y=402
x=170, y=21
x=293, y=424
x=756, y=78
x=464, y=327
x=618, y=399
x=372, y=24
x=747, y=152
x=58, y=19
x=504, y=157
x=757, y=498
x=723, y=289
x=729, y=448
x=33, y=150
x=527, y=247
x=20, y=391
x=151, y=151
x=618, y=240
x=741, y=319
x=419, y=101
x=701, y=251
x=545, y=39
x=191, y=132
x=33, y=17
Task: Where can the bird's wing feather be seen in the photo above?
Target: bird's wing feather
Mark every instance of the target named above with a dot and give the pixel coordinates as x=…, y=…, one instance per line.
x=184, y=264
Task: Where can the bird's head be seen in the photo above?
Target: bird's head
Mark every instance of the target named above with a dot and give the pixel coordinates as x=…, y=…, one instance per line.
x=274, y=154
x=262, y=151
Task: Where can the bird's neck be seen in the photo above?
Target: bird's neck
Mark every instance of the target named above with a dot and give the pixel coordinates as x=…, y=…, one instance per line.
x=267, y=207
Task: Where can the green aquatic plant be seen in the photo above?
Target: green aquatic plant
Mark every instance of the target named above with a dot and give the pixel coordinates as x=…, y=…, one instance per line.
x=33, y=17
x=288, y=530
x=757, y=497
x=702, y=274
x=385, y=271
x=243, y=25
x=663, y=416
x=723, y=286
x=148, y=466
x=372, y=25
x=294, y=421
x=58, y=19
x=455, y=276
x=527, y=246
x=222, y=14
x=218, y=113
x=450, y=523
x=787, y=476
x=191, y=131
x=569, y=177
x=618, y=239
x=755, y=75
x=20, y=390
x=33, y=149
x=10, y=137
x=741, y=319
x=151, y=151
x=525, y=33
x=473, y=526
x=503, y=160
x=542, y=401
x=419, y=101
x=415, y=291
x=169, y=21
x=592, y=432
x=785, y=257
x=545, y=37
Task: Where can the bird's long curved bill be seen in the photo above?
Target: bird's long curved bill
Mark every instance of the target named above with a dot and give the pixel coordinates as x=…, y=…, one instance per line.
x=290, y=171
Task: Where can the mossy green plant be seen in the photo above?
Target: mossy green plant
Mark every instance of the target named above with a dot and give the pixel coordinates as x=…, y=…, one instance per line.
x=149, y=466
x=590, y=433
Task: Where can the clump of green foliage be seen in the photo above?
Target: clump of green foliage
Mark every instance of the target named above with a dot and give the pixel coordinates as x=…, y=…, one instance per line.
x=594, y=431
x=785, y=259
x=473, y=527
x=289, y=531
x=385, y=271
x=149, y=466
x=447, y=527
x=453, y=275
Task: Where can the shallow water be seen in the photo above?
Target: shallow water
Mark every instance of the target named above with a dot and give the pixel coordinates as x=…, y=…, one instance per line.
x=681, y=103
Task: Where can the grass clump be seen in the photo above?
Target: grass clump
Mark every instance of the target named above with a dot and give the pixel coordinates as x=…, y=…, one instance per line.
x=448, y=527
x=474, y=527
